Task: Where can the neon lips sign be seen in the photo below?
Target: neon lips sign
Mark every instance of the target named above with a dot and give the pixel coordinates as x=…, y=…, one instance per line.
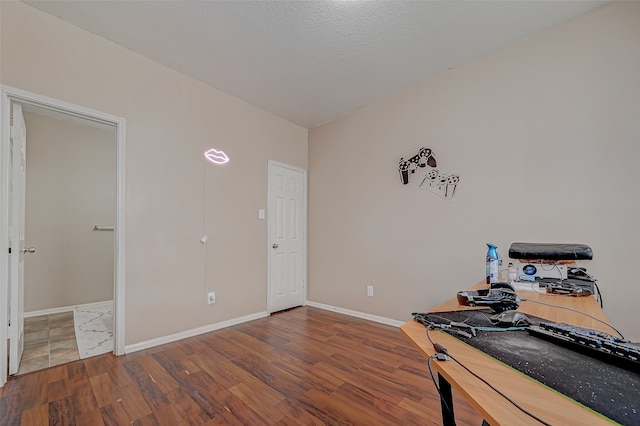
x=216, y=157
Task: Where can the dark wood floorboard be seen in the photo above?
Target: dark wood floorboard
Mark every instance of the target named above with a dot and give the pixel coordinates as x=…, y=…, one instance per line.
x=304, y=366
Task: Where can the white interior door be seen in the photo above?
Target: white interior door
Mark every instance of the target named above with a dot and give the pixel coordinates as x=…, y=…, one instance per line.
x=18, y=149
x=287, y=243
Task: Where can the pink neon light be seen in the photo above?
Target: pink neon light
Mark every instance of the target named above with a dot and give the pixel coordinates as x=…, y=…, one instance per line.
x=216, y=157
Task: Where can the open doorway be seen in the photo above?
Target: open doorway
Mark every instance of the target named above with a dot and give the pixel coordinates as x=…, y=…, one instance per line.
x=76, y=184
x=69, y=223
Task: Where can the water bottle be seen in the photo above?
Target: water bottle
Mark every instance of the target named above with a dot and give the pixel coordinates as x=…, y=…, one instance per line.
x=513, y=272
x=493, y=264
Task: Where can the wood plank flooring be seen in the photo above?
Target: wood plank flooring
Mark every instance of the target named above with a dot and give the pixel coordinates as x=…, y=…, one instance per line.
x=306, y=366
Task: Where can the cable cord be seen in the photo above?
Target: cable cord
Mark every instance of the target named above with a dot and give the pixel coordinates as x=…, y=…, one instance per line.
x=442, y=399
x=515, y=404
x=599, y=294
x=204, y=226
x=443, y=350
x=577, y=311
x=426, y=317
x=437, y=387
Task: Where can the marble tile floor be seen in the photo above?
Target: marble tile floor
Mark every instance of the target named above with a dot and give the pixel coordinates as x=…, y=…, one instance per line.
x=48, y=340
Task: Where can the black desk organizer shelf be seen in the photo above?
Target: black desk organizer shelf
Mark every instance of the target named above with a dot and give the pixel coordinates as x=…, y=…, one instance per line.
x=577, y=280
x=550, y=251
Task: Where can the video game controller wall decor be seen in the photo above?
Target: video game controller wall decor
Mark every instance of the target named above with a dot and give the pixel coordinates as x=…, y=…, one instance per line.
x=443, y=184
x=408, y=167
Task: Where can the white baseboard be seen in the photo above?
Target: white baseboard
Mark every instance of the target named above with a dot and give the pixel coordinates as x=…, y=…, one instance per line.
x=193, y=332
x=370, y=317
x=59, y=309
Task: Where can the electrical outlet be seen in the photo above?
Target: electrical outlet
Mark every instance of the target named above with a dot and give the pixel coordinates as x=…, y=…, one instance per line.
x=370, y=290
x=211, y=297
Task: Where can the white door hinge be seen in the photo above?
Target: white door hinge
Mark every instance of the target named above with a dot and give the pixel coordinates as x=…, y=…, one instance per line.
x=12, y=331
x=16, y=132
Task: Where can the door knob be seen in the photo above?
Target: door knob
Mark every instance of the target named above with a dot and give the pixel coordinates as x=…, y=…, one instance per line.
x=29, y=250
x=275, y=245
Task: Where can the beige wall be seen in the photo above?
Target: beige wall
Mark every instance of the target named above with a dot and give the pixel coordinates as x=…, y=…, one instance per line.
x=544, y=136
x=71, y=182
x=171, y=121
x=554, y=117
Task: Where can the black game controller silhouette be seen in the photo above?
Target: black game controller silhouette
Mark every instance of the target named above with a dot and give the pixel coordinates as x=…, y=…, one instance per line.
x=423, y=158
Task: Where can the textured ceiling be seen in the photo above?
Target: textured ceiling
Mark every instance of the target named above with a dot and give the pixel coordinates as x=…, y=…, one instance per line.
x=312, y=61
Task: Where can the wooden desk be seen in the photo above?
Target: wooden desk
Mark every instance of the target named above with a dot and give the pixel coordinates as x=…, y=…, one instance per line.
x=549, y=405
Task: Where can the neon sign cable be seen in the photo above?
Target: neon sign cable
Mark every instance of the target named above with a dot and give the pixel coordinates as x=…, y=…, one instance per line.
x=219, y=158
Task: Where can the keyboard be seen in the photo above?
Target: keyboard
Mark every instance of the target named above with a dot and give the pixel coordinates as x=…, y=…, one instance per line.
x=595, y=343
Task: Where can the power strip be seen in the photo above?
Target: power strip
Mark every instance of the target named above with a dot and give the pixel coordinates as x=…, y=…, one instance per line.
x=528, y=286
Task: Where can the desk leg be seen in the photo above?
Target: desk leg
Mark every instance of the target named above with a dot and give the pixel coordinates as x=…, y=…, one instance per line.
x=448, y=418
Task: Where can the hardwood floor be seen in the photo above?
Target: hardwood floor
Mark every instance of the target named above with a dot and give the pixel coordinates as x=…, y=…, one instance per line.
x=306, y=366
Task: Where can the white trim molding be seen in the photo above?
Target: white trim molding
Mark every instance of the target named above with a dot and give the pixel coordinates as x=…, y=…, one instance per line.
x=60, y=309
x=363, y=315
x=193, y=332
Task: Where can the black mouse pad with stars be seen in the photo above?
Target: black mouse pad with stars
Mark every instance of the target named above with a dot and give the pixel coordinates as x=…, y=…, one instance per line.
x=602, y=386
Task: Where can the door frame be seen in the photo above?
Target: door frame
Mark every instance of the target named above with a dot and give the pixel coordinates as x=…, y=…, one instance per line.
x=17, y=202
x=9, y=95
x=270, y=210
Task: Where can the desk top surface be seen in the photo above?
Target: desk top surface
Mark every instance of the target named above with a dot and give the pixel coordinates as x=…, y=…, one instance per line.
x=551, y=406
x=552, y=307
